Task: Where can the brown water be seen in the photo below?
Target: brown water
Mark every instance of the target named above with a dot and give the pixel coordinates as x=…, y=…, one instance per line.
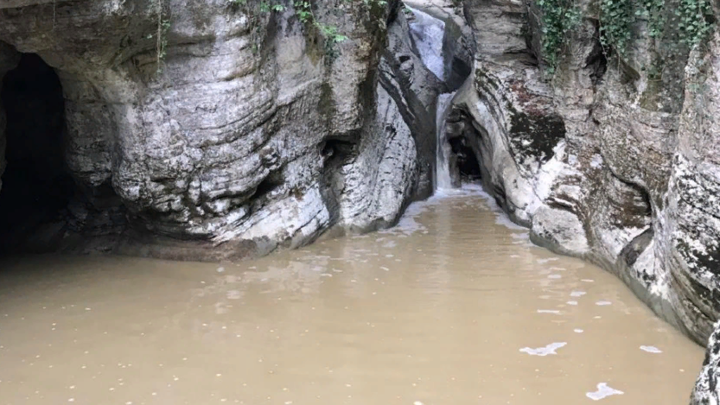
x=435, y=311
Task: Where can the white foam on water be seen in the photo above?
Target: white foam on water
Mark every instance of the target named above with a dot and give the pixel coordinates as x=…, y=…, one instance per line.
x=603, y=391
x=502, y=219
x=220, y=269
x=555, y=276
x=407, y=224
x=572, y=302
x=548, y=260
x=587, y=280
x=522, y=236
x=577, y=293
x=578, y=330
x=650, y=349
x=544, y=351
x=603, y=303
x=548, y=311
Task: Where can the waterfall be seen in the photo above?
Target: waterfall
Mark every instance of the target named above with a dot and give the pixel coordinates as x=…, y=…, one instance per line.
x=443, y=181
x=428, y=33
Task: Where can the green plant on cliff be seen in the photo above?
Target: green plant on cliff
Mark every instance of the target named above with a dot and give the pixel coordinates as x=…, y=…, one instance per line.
x=330, y=33
x=695, y=20
x=652, y=11
x=559, y=18
x=160, y=35
x=616, y=19
x=303, y=11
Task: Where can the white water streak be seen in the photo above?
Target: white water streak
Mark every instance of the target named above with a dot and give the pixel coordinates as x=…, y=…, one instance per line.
x=443, y=181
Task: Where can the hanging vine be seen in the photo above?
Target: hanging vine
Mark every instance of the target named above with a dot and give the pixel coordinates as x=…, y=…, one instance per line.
x=693, y=21
x=560, y=17
x=162, y=27
x=616, y=20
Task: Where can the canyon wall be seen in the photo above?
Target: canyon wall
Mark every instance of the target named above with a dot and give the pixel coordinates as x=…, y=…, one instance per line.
x=611, y=157
x=216, y=129
x=220, y=130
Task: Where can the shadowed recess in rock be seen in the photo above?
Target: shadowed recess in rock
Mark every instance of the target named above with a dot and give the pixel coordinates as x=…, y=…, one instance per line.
x=36, y=184
x=467, y=163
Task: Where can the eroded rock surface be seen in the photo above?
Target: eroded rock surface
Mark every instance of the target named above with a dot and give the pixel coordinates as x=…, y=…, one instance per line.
x=209, y=130
x=603, y=159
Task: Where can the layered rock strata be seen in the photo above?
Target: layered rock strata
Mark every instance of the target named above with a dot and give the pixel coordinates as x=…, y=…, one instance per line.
x=210, y=130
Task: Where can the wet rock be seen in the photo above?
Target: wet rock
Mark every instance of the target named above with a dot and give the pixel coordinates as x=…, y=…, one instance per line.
x=245, y=131
x=706, y=389
x=602, y=160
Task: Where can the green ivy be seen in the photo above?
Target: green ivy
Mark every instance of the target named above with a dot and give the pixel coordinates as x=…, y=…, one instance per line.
x=616, y=19
x=652, y=11
x=304, y=12
x=694, y=20
x=675, y=22
x=330, y=33
x=559, y=18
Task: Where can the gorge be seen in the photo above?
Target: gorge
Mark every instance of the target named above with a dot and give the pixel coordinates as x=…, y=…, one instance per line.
x=218, y=131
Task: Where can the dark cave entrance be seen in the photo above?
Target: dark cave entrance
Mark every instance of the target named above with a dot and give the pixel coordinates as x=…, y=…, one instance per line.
x=36, y=185
x=468, y=167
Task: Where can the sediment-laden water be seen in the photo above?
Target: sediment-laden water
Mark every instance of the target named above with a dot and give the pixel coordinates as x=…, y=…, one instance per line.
x=452, y=307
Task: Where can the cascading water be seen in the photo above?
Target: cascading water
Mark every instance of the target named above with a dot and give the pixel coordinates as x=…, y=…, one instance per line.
x=443, y=180
x=428, y=33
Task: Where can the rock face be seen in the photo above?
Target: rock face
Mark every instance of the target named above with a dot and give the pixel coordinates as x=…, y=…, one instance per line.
x=603, y=159
x=218, y=129
x=215, y=129
x=590, y=164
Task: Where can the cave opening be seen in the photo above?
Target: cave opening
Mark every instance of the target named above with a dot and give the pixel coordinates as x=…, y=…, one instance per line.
x=36, y=184
x=468, y=167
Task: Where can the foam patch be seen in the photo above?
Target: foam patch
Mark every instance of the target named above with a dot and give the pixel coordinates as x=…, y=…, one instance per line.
x=544, y=351
x=603, y=391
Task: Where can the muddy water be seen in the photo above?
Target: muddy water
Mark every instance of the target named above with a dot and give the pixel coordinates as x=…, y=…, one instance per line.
x=451, y=307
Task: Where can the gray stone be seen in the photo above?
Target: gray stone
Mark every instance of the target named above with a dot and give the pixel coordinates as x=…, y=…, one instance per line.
x=246, y=135
x=602, y=160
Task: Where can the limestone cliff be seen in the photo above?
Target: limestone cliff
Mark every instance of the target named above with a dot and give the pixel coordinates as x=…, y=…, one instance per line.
x=219, y=129
x=222, y=129
x=607, y=158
